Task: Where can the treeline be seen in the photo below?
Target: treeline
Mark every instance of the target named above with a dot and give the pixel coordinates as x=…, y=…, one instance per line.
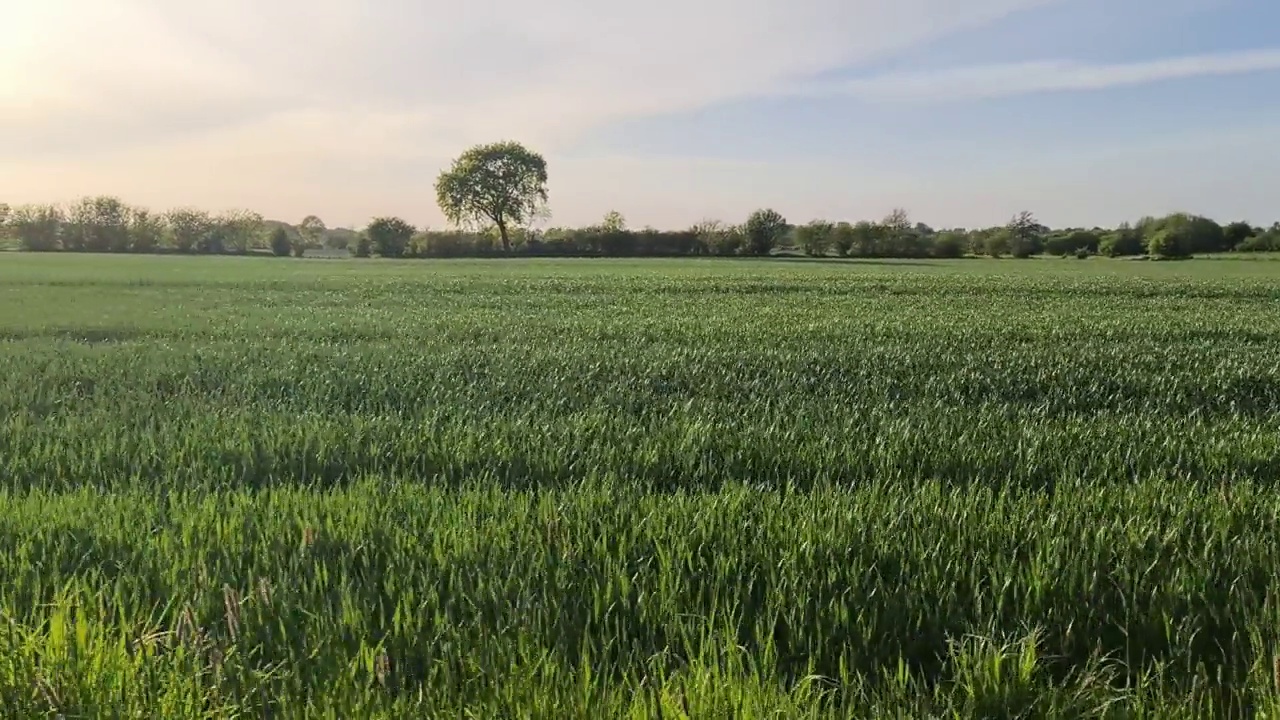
x=107, y=224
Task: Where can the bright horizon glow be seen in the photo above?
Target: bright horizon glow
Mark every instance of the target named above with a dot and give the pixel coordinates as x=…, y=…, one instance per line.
x=1087, y=112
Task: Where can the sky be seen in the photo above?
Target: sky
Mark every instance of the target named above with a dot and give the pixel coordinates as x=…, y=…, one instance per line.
x=963, y=112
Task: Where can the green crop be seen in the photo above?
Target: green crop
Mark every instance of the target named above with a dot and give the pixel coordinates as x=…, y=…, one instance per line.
x=249, y=488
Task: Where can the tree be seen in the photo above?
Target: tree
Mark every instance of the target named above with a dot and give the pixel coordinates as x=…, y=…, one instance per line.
x=866, y=239
x=188, y=227
x=842, y=238
x=717, y=237
x=312, y=229
x=997, y=242
x=340, y=238
x=238, y=231
x=37, y=227
x=98, y=224
x=762, y=231
x=1125, y=240
x=1169, y=242
x=815, y=238
x=1067, y=242
x=146, y=230
x=898, y=236
x=949, y=244
x=1024, y=235
x=281, y=245
x=389, y=236
x=363, y=248
x=1194, y=233
x=500, y=184
x=614, y=222
x=1234, y=234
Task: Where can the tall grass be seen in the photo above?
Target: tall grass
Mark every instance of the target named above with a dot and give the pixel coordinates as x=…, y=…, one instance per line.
x=591, y=489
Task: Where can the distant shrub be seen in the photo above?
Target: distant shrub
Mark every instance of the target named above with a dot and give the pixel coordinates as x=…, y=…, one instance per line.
x=1264, y=242
x=1121, y=242
x=948, y=245
x=38, y=227
x=815, y=238
x=1168, y=243
x=996, y=243
x=363, y=247
x=280, y=244
x=390, y=236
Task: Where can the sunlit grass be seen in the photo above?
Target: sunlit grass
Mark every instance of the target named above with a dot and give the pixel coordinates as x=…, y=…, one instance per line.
x=638, y=489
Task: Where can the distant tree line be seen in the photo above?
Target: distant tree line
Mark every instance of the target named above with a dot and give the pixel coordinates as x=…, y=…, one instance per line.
x=492, y=193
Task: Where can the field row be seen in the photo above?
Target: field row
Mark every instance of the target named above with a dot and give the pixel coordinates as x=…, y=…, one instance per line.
x=390, y=595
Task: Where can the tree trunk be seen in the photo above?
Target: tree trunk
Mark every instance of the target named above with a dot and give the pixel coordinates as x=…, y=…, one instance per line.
x=506, y=240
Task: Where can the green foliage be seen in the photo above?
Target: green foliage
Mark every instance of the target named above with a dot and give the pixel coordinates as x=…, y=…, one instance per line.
x=1169, y=242
x=585, y=489
x=389, y=236
x=189, y=228
x=843, y=237
x=719, y=238
x=1267, y=241
x=895, y=236
x=97, y=224
x=281, y=245
x=949, y=245
x=503, y=184
x=236, y=232
x=1123, y=241
x=1024, y=235
x=1237, y=233
x=1183, y=234
x=1070, y=242
x=312, y=234
x=614, y=222
x=762, y=232
x=815, y=238
x=363, y=247
x=37, y=227
x=997, y=242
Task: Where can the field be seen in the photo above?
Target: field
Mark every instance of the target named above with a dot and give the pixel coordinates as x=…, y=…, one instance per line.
x=246, y=487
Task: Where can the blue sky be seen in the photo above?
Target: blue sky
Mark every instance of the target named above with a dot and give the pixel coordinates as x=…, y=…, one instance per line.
x=671, y=111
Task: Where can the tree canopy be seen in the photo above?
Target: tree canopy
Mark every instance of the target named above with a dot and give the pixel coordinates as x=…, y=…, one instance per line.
x=501, y=184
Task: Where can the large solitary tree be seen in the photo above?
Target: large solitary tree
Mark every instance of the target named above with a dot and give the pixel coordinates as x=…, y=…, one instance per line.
x=500, y=185
x=311, y=231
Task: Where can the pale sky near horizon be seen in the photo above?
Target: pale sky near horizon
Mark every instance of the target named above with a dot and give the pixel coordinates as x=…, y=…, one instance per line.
x=669, y=111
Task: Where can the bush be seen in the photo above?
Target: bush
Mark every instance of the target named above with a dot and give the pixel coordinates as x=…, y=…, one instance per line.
x=1082, y=254
x=762, y=232
x=1168, y=243
x=363, y=247
x=996, y=243
x=38, y=227
x=280, y=244
x=948, y=245
x=815, y=238
x=1265, y=242
x=389, y=236
x=444, y=244
x=1122, y=242
x=843, y=237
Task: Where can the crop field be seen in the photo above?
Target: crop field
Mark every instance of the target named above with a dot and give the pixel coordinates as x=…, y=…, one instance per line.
x=246, y=487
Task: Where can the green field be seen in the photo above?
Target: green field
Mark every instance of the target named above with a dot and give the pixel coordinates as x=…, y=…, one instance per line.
x=246, y=487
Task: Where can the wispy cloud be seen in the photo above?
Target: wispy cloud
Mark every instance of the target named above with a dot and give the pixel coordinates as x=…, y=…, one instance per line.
x=458, y=72
x=1003, y=80
x=323, y=96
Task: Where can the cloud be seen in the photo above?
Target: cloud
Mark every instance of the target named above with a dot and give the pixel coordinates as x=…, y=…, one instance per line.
x=1003, y=80
x=118, y=72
